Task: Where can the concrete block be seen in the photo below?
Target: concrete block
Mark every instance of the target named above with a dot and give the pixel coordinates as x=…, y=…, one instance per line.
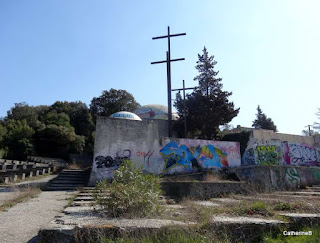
x=31, y=174
x=23, y=176
x=37, y=172
x=15, y=177
x=6, y=180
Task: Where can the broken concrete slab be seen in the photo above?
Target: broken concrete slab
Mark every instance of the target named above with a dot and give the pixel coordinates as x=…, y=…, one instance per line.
x=207, y=203
x=244, y=220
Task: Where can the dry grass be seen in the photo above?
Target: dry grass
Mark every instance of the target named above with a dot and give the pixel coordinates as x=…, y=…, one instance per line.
x=20, y=195
x=213, y=177
x=74, y=166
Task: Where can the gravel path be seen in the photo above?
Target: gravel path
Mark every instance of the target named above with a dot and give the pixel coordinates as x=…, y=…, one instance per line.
x=22, y=222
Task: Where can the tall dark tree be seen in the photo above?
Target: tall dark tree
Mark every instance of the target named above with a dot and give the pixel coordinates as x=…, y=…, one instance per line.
x=113, y=101
x=263, y=122
x=208, y=106
x=18, y=139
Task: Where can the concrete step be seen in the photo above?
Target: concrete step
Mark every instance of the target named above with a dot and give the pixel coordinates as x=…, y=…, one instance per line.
x=61, y=188
x=69, y=170
x=70, y=179
x=305, y=219
x=301, y=193
x=67, y=185
x=84, y=199
x=69, y=182
x=83, y=203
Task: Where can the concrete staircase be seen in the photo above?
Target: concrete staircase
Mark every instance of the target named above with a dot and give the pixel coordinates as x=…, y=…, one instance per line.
x=69, y=180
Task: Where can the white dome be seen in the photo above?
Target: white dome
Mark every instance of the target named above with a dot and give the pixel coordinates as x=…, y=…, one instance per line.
x=154, y=112
x=125, y=115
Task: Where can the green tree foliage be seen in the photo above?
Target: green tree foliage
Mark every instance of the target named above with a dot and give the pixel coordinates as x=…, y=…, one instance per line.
x=113, y=101
x=131, y=193
x=59, y=129
x=208, y=106
x=263, y=122
x=17, y=141
x=22, y=111
x=58, y=141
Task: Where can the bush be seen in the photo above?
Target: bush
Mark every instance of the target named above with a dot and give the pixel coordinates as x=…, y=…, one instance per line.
x=130, y=194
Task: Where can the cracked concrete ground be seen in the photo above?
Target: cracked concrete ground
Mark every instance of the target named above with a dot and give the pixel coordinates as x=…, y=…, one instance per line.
x=21, y=223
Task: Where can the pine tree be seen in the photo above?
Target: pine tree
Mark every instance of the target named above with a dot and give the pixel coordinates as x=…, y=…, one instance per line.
x=262, y=122
x=207, y=107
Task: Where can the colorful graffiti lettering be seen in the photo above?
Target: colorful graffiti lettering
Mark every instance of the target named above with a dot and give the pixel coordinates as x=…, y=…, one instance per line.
x=146, y=156
x=269, y=154
x=316, y=173
x=193, y=158
x=292, y=176
x=296, y=154
x=110, y=162
x=248, y=157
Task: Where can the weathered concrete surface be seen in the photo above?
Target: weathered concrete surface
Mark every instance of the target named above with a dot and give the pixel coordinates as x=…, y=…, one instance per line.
x=244, y=220
x=22, y=222
x=266, y=147
x=302, y=219
x=272, y=177
x=201, y=189
x=146, y=144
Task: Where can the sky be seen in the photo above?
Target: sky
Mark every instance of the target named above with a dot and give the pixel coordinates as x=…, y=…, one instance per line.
x=267, y=52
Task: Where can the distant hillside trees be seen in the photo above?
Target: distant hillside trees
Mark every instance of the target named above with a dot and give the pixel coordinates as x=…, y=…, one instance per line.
x=208, y=106
x=263, y=122
x=46, y=130
x=113, y=101
x=59, y=129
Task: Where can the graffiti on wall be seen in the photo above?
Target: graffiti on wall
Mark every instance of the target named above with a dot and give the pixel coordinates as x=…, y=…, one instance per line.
x=296, y=154
x=146, y=156
x=275, y=152
x=193, y=158
x=116, y=161
x=292, y=176
x=268, y=154
x=248, y=157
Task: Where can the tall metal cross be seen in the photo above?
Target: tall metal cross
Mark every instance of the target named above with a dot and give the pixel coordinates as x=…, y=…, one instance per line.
x=184, y=106
x=168, y=61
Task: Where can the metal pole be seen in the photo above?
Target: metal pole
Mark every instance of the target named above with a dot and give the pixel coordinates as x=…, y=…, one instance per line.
x=169, y=86
x=169, y=96
x=184, y=110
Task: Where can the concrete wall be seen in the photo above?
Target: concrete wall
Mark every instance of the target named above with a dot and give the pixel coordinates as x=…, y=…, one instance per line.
x=270, y=148
x=144, y=143
x=279, y=177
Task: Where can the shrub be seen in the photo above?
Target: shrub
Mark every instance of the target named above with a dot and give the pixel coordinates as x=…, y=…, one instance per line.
x=258, y=207
x=130, y=194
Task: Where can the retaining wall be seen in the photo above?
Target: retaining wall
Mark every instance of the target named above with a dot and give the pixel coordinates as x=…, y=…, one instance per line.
x=271, y=177
x=144, y=143
x=269, y=148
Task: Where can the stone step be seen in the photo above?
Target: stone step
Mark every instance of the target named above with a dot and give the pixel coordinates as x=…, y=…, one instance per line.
x=69, y=182
x=80, y=209
x=305, y=219
x=67, y=185
x=304, y=193
x=70, y=179
x=67, y=170
x=84, y=199
x=64, y=174
x=89, y=194
x=82, y=203
x=244, y=220
x=61, y=188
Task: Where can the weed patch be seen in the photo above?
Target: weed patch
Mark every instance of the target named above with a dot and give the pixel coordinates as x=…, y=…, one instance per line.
x=21, y=196
x=130, y=194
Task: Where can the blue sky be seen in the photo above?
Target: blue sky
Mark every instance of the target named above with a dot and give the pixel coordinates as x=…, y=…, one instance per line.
x=267, y=52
